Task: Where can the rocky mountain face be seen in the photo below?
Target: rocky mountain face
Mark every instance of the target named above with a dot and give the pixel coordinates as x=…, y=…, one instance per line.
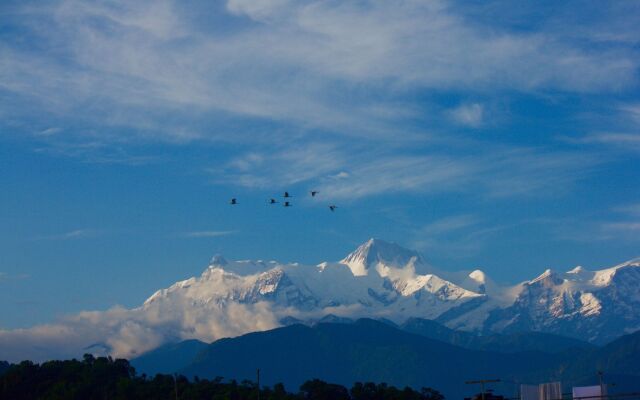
x=384, y=280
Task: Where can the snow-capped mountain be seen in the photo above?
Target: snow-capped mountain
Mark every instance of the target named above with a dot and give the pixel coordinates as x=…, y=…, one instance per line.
x=384, y=280
x=378, y=280
x=597, y=306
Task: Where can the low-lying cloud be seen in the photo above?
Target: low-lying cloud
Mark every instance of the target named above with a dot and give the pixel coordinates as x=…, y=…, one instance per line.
x=127, y=333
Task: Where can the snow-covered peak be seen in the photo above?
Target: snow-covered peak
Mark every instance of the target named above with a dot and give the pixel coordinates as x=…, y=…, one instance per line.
x=577, y=270
x=546, y=276
x=479, y=282
x=478, y=276
x=241, y=267
x=475, y=281
x=218, y=260
x=605, y=276
x=375, y=252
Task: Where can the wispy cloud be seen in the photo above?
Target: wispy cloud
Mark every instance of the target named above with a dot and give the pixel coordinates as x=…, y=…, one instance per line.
x=71, y=235
x=455, y=237
x=621, y=141
x=468, y=114
x=632, y=111
x=283, y=166
x=49, y=132
x=304, y=91
x=5, y=277
x=449, y=224
x=152, y=66
x=94, y=151
x=622, y=226
x=622, y=132
x=629, y=209
x=206, y=234
x=590, y=229
x=357, y=171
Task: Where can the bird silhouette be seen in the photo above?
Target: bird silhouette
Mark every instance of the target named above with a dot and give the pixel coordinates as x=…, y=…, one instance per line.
x=332, y=208
x=286, y=194
x=314, y=193
x=233, y=202
x=287, y=204
x=272, y=201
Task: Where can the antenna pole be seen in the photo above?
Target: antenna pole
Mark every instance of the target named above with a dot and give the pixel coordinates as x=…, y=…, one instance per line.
x=258, y=381
x=482, y=382
x=601, y=385
x=175, y=385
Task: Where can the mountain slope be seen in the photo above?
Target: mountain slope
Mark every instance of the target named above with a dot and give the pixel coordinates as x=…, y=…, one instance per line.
x=366, y=350
x=505, y=343
x=369, y=350
x=168, y=358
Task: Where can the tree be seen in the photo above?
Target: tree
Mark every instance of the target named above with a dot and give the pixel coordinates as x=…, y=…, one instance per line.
x=320, y=390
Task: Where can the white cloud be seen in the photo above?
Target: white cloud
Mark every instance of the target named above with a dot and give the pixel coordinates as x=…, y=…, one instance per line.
x=260, y=10
x=456, y=237
x=154, y=67
x=71, y=235
x=632, y=111
x=283, y=167
x=357, y=171
x=49, y=132
x=622, y=139
x=340, y=175
x=619, y=140
x=591, y=230
x=468, y=114
x=5, y=277
x=630, y=209
x=622, y=226
x=205, y=234
x=127, y=333
x=303, y=91
x=398, y=173
x=449, y=224
x=95, y=151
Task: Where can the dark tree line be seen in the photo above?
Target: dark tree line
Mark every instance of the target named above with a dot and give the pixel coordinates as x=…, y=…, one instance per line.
x=104, y=378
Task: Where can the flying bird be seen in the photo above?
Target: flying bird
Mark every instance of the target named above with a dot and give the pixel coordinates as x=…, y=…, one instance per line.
x=233, y=202
x=286, y=194
x=314, y=193
x=272, y=201
x=287, y=204
x=332, y=208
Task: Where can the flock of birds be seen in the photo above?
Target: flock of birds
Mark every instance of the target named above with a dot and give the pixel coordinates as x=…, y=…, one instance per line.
x=287, y=203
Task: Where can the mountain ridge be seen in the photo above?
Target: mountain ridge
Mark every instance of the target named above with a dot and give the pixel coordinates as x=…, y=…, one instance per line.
x=384, y=280
x=374, y=350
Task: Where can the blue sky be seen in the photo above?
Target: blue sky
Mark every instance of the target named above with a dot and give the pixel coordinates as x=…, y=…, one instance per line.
x=501, y=134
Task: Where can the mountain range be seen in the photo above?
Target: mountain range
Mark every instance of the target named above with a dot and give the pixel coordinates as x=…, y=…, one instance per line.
x=384, y=280
x=379, y=280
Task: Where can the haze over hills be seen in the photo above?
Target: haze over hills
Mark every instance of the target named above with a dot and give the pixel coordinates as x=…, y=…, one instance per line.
x=378, y=280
